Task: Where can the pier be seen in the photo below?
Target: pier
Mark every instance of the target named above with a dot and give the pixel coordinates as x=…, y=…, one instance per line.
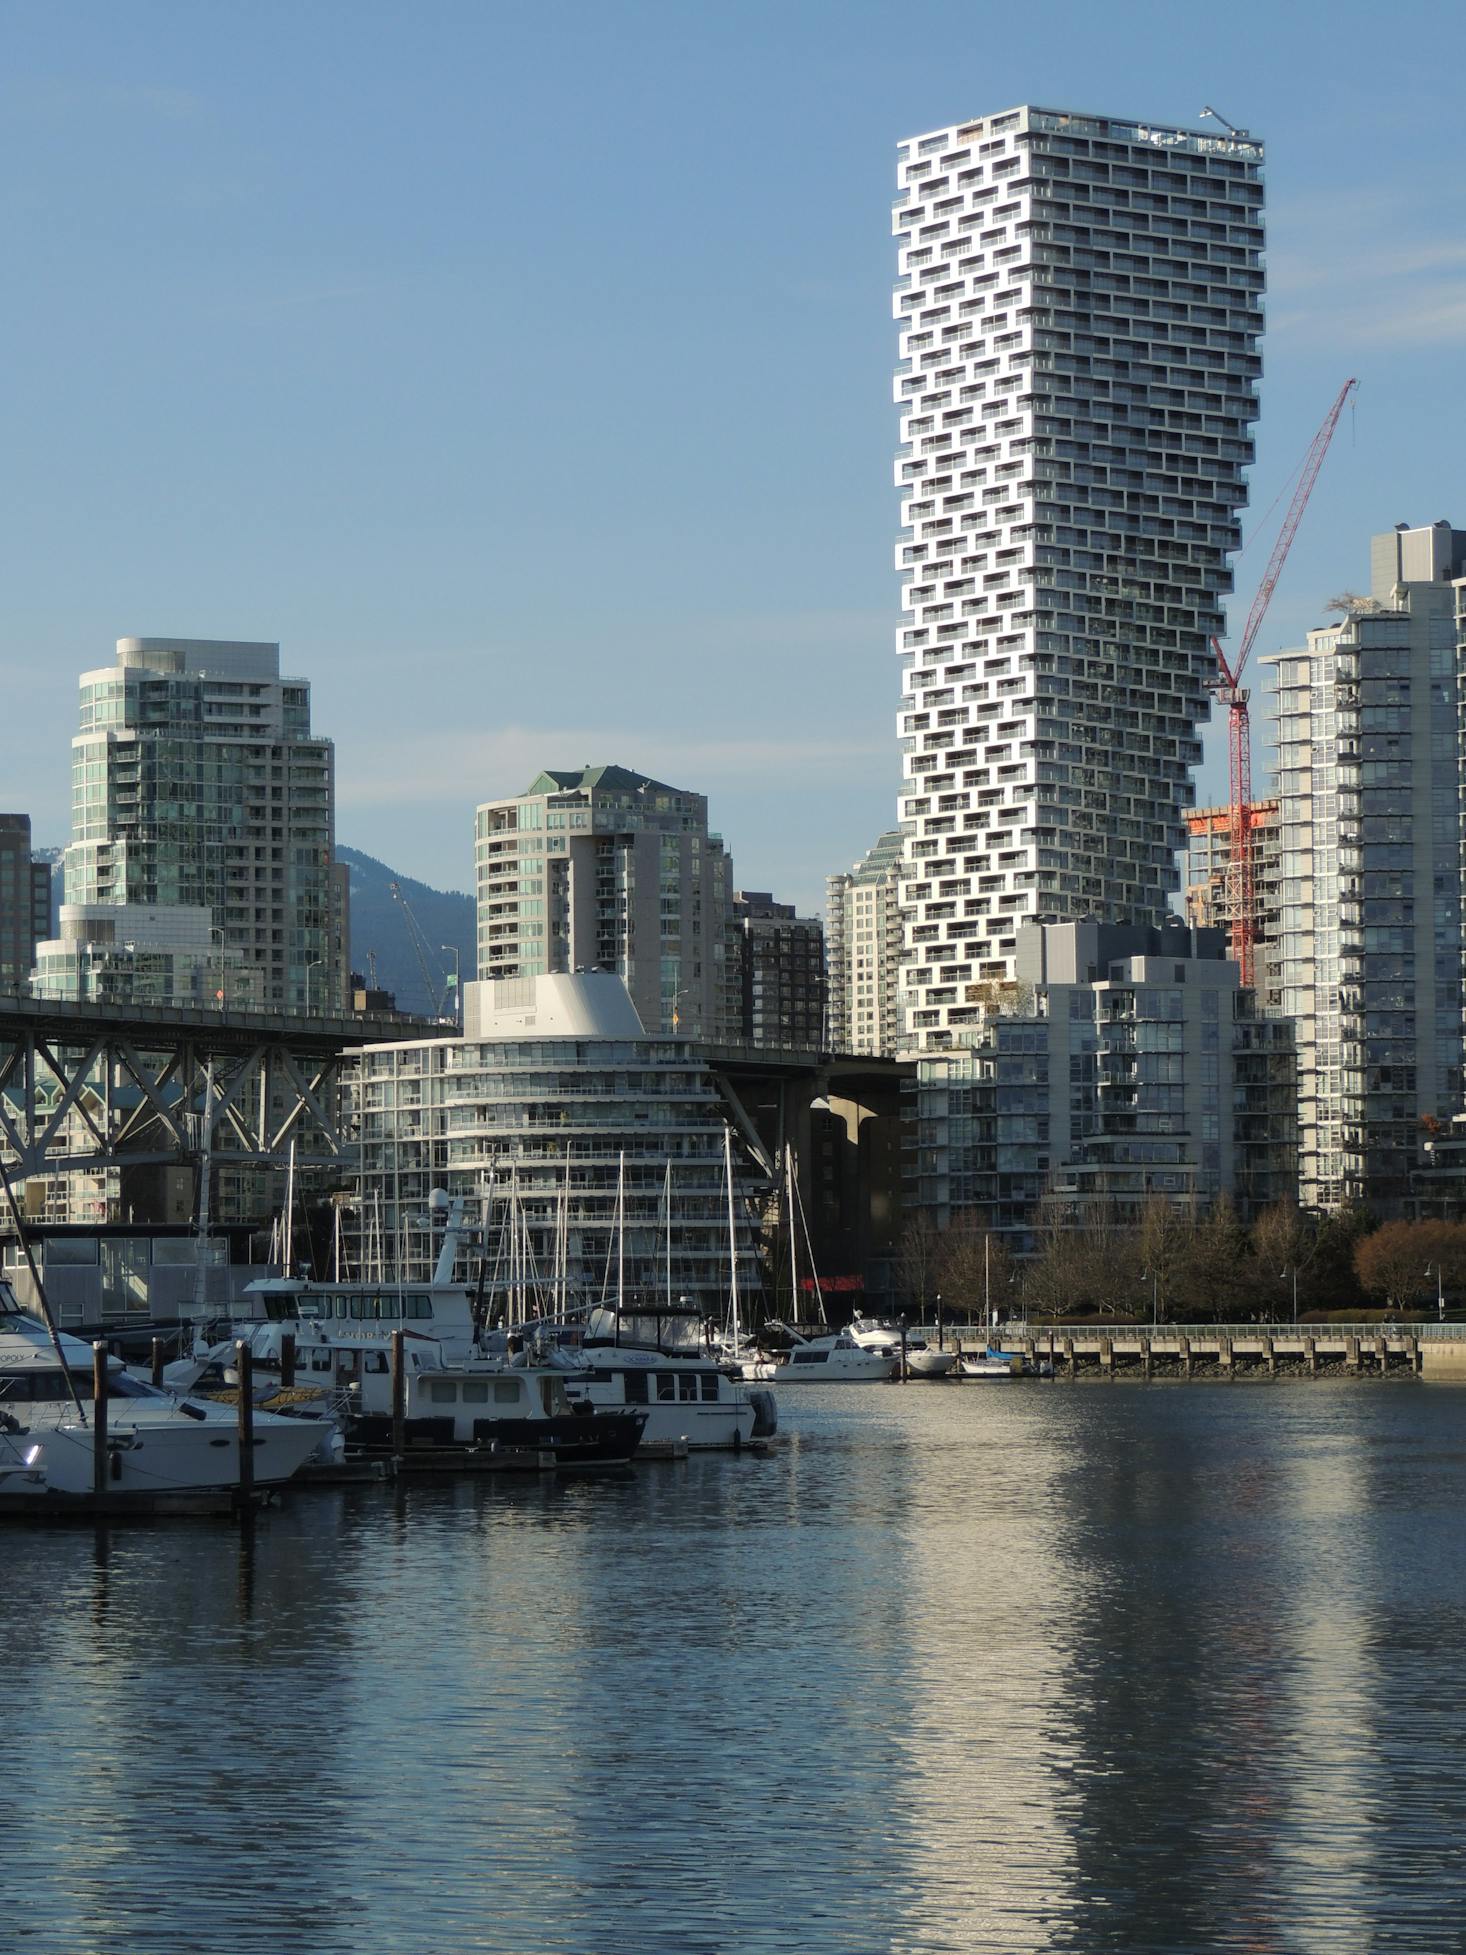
x=1425, y=1350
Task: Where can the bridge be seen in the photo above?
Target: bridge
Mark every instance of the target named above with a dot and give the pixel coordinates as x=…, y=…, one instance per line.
x=85, y=1085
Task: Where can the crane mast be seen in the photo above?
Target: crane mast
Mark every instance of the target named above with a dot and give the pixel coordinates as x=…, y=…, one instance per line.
x=1231, y=693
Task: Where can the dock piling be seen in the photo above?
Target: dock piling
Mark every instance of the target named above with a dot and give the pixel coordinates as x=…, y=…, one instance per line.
x=399, y=1395
x=157, y=1362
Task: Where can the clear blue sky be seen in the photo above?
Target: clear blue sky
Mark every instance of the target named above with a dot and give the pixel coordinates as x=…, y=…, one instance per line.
x=524, y=368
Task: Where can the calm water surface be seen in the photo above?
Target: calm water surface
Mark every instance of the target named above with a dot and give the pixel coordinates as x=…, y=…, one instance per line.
x=964, y=1668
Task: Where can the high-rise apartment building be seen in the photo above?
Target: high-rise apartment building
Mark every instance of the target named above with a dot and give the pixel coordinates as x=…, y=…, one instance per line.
x=863, y=951
x=780, y=963
x=1080, y=299
x=25, y=902
x=1369, y=956
x=197, y=784
x=603, y=869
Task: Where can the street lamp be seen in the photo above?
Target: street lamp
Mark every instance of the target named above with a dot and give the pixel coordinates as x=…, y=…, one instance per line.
x=1437, y=1271
x=1153, y=1277
x=314, y=965
x=1283, y=1275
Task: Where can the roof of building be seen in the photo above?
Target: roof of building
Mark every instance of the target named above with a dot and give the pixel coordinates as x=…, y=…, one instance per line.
x=555, y=780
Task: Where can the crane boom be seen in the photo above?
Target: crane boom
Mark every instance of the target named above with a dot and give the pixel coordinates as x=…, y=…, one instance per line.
x=419, y=944
x=1241, y=876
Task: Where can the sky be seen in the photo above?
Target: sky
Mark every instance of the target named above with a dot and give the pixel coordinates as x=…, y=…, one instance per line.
x=525, y=368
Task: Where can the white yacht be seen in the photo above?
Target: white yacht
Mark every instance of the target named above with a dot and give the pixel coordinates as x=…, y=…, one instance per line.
x=156, y=1443
x=923, y=1360
x=835, y=1359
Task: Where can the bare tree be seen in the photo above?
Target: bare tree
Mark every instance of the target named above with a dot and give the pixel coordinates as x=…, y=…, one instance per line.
x=916, y=1260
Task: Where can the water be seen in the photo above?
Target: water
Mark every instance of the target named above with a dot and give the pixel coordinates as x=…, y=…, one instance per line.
x=1008, y=1668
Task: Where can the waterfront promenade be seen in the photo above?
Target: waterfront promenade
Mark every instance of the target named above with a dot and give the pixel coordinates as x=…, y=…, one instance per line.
x=1430, y=1350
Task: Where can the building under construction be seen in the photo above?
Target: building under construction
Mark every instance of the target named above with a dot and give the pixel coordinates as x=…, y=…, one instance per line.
x=1211, y=888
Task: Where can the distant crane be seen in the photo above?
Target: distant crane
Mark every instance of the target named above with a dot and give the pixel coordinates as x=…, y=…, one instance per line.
x=1241, y=879
x=435, y=995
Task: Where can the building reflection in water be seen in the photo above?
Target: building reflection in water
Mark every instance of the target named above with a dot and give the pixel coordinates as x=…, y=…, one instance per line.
x=953, y=1669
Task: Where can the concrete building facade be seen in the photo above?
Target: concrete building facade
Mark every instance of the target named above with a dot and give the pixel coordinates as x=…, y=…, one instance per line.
x=1131, y=1065
x=1370, y=941
x=197, y=784
x=25, y=902
x=603, y=869
x=780, y=966
x=1080, y=300
x=863, y=951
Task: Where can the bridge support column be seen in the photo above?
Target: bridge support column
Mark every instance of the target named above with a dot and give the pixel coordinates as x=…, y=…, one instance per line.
x=1224, y=1355
x=1351, y=1353
x=1069, y=1358
x=1107, y=1357
x=1382, y=1353
x=1310, y=1354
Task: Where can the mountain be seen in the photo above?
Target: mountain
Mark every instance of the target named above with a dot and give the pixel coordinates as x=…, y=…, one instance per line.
x=382, y=937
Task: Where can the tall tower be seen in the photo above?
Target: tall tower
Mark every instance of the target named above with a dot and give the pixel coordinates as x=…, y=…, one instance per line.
x=201, y=798
x=600, y=868
x=1080, y=300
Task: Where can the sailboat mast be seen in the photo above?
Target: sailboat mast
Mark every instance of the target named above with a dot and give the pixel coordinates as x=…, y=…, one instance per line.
x=793, y=1234
x=667, y=1198
x=620, y=1232
x=734, y=1325
x=206, y=1163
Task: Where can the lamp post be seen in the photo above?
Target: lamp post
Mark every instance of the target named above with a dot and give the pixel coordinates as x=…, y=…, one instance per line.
x=1437, y=1270
x=1283, y=1275
x=1153, y=1277
x=314, y=965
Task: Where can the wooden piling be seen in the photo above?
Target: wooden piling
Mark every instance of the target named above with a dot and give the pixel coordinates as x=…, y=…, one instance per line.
x=1310, y=1353
x=287, y=1360
x=99, y=1418
x=157, y=1361
x=905, y=1374
x=1184, y=1348
x=399, y=1394
x=244, y=1366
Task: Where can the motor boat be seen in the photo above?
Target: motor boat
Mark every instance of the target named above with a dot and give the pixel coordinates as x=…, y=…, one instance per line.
x=684, y=1397
x=835, y=1359
x=923, y=1360
x=488, y=1403
x=157, y=1443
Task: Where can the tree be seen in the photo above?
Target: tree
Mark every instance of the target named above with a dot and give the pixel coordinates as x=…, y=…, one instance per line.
x=916, y=1259
x=1398, y=1262
x=1284, y=1243
x=1164, y=1241
x=972, y=1264
x=1214, y=1277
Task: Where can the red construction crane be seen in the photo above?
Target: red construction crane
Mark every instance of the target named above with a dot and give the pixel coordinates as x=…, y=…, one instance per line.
x=1241, y=890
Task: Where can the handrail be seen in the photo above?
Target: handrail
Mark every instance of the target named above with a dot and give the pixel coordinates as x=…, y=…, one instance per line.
x=1022, y=1332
